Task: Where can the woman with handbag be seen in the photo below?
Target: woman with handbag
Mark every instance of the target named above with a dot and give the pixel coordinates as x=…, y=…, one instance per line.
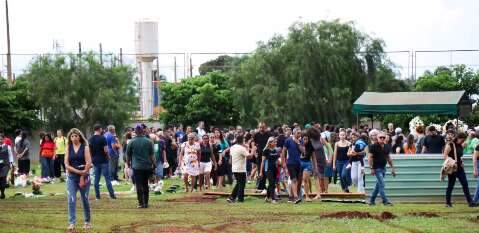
x=78, y=164
x=454, y=150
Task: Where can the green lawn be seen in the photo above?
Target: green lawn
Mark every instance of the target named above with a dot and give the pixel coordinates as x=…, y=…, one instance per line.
x=189, y=213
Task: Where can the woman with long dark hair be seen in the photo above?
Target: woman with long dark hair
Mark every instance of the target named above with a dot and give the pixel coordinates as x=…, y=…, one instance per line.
x=340, y=161
x=207, y=162
x=269, y=163
x=78, y=164
x=220, y=145
x=47, y=157
x=455, y=150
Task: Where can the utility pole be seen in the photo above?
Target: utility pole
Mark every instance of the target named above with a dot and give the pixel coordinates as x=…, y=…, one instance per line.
x=9, y=55
x=121, y=56
x=101, y=55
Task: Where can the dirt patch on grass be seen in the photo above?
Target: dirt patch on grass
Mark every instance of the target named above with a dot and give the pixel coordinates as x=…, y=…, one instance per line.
x=386, y=216
x=424, y=214
x=195, y=198
x=359, y=215
x=175, y=229
x=164, y=227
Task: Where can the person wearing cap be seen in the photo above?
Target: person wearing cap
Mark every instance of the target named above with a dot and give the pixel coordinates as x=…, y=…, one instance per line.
x=140, y=157
x=189, y=160
x=433, y=143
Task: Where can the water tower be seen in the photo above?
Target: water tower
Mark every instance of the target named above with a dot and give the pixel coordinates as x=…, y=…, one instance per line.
x=146, y=47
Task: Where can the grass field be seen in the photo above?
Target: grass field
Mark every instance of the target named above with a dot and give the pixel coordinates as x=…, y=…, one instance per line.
x=182, y=212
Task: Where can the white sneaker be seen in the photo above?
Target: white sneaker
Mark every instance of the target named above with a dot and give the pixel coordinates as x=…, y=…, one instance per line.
x=264, y=192
x=160, y=184
x=157, y=189
x=71, y=227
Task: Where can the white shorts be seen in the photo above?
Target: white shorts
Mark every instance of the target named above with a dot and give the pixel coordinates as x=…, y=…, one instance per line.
x=205, y=167
x=192, y=169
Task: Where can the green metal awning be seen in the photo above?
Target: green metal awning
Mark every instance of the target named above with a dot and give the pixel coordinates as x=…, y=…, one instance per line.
x=445, y=102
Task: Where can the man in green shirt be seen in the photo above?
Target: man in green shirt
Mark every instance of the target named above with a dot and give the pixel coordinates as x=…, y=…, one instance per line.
x=141, y=158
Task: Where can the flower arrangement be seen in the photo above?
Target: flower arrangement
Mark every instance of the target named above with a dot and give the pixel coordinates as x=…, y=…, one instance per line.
x=461, y=127
x=438, y=127
x=414, y=123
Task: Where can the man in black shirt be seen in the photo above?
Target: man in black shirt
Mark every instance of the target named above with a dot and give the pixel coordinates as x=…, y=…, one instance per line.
x=260, y=140
x=377, y=159
x=433, y=143
x=100, y=158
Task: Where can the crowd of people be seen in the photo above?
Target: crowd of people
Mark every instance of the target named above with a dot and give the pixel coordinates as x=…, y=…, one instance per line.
x=284, y=159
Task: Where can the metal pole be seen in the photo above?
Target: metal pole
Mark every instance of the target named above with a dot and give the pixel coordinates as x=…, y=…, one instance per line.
x=357, y=120
x=372, y=121
x=79, y=54
x=9, y=55
x=158, y=67
x=121, y=56
x=101, y=55
x=191, y=66
x=175, y=67
x=415, y=65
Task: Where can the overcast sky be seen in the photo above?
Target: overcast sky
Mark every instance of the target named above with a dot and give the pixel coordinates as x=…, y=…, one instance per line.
x=236, y=26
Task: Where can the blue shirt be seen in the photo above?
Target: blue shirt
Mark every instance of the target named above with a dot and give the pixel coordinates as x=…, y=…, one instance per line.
x=179, y=134
x=294, y=154
x=110, y=140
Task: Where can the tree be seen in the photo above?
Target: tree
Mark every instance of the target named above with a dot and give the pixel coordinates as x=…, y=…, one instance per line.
x=385, y=81
x=78, y=91
x=203, y=98
x=314, y=73
x=222, y=63
x=18, y=111
x=457, y=77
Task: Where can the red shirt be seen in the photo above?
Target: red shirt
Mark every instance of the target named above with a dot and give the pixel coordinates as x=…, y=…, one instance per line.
x=47, y=149
x=8, y=141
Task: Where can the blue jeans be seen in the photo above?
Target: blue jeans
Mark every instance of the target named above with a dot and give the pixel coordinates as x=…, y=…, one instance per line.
x=460, y=174
x=476, y=196
x=114, y=167
x=344, y=174
x=47, y=167
x=380, y=185
x=73, y=181
x=102, y=169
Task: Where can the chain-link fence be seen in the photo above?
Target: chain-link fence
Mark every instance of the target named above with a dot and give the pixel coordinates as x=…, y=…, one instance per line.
x=408, y=64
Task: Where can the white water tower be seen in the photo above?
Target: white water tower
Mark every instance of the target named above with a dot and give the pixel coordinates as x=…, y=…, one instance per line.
x=146, y=48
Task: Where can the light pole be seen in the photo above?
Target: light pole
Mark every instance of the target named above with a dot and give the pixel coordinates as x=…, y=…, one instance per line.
x=9, y=55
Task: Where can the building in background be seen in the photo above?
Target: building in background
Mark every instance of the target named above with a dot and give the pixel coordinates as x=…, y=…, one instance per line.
x=146, y=49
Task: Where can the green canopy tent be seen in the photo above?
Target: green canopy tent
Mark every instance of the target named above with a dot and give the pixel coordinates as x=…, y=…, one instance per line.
x=444, y=103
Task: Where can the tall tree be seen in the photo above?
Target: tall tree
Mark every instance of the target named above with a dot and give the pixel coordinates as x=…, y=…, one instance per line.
x=457, y=77
x=78, y=91
x=314, y=73
x=222, y=63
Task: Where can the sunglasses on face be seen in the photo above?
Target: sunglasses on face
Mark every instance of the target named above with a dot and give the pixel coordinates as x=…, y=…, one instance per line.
x=382, y=137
